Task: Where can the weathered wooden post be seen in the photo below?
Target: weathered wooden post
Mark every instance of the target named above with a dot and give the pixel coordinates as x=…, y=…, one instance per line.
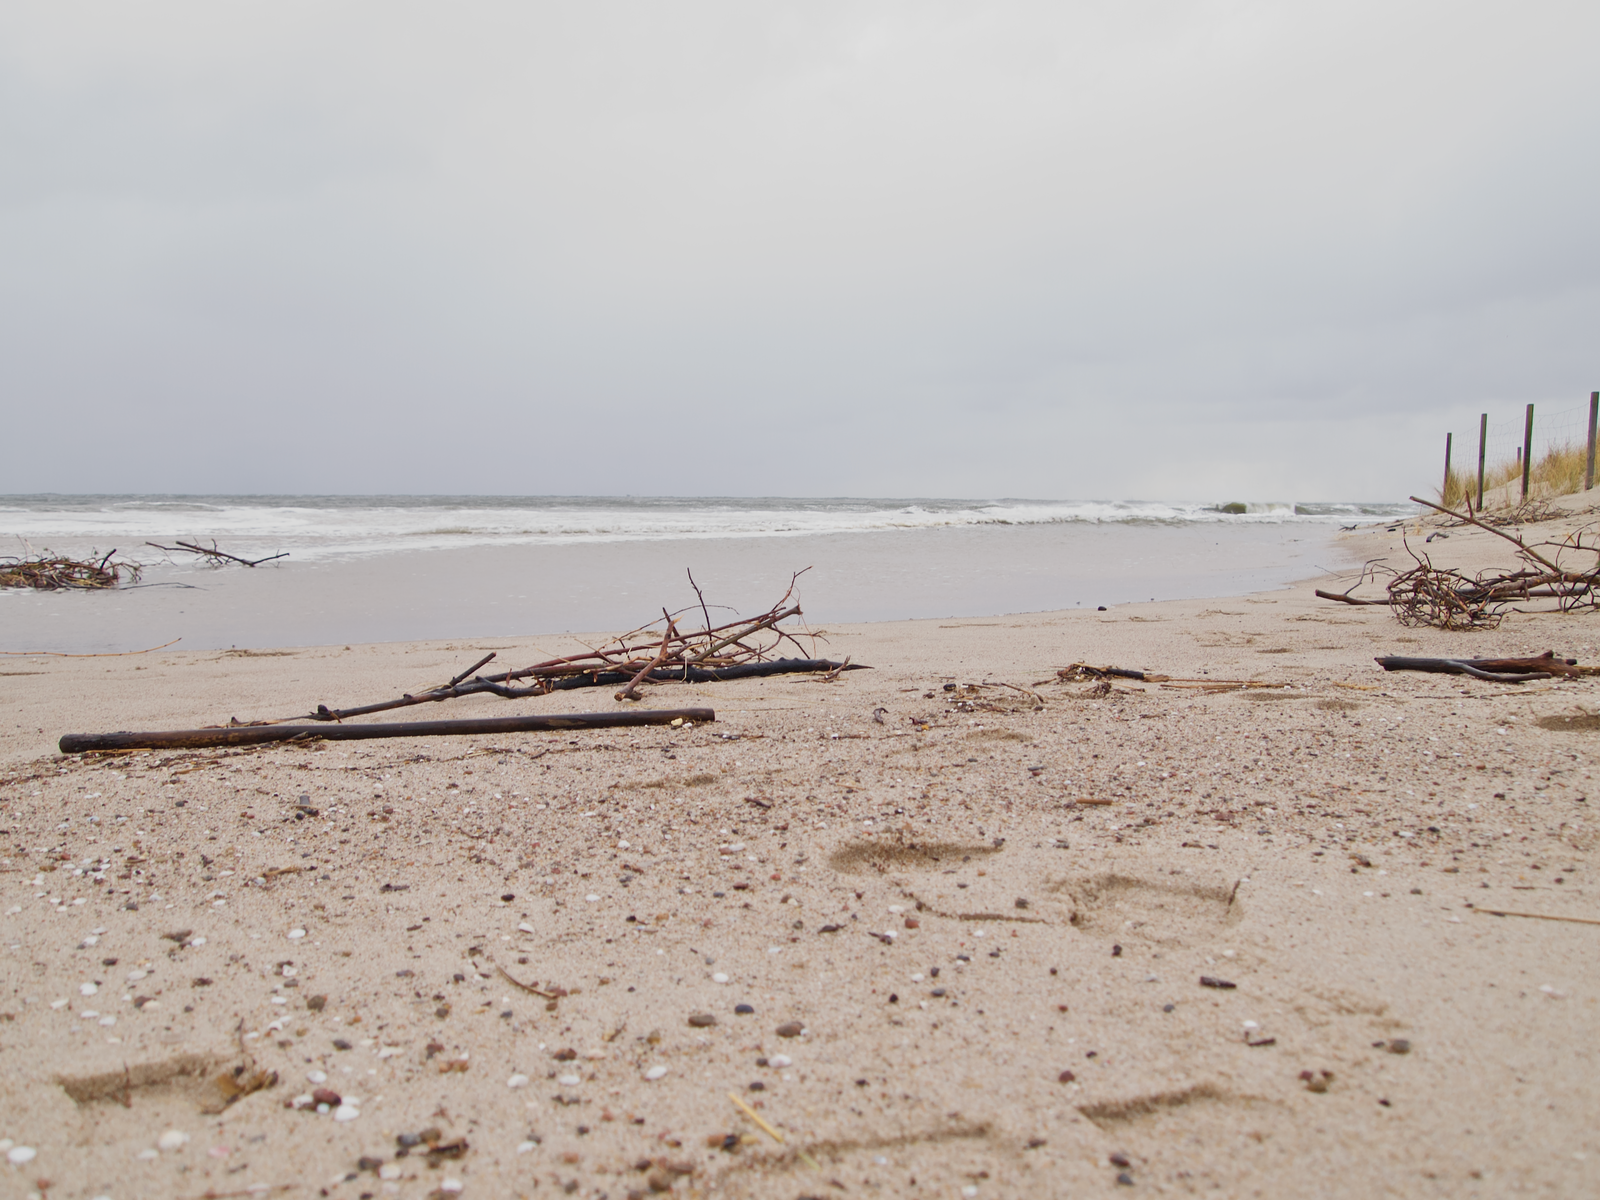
x=1483, y=446
x=1527, y=452
x=1594, y=411
x=1444, y=492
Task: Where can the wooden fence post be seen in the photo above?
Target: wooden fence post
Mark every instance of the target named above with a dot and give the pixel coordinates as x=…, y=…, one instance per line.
x=1483, y=446
x=1444, y=492
x=1527, y=452
x=1594, y=411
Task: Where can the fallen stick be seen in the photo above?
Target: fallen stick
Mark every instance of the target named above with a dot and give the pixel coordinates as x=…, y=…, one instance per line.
x=1500, y=912
x=1514, y=540
x=252, y=735
x=527, y=987
x=1347, y=598
x=215, y=553
x=1496, y=670
x=631, y=692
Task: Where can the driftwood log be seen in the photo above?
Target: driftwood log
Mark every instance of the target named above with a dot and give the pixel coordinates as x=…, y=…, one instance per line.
x=255, y=735
x=1496, y=670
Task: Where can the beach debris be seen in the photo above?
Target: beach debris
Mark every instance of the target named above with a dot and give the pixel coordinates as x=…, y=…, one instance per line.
x=1445, y=598
x=1316, y=1081
x=50, y=572
x=1213, y=982
x=250, y=735
x=1496, y=670
x=1499, y=912
x=736, y=650
x=1102, y=677
x=756, y=1117
x=215, y=557
x=1083, y=673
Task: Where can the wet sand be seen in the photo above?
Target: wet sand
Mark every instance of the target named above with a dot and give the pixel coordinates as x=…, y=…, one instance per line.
x=999, y=985
x=495, y=591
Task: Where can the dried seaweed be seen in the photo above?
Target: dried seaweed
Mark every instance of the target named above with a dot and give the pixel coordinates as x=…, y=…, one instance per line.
x=50, y=572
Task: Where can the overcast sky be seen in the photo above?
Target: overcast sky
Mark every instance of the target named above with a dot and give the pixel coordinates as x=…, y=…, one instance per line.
x=1124, y=249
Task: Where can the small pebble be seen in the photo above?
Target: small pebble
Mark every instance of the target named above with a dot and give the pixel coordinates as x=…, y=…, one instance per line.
x=655, y=1073
x=702, y=1020
x=450, y=1185
x=568, y=1080
x=1400, y=1046
x=296, y=934
x=172, y=1139
x=1212, y=982
x=743, y=1010
x=591, y=898
x=758, y=1086
x=719, y=977
x=18, y=1155
x=517, y=1081
x=790, y=1029
x=1124, y=1179
x=346, y=1112
x=1066, y=1077
x=780, y=1061
x=1120, y=1159
x=88, y=989
x=316, y=1077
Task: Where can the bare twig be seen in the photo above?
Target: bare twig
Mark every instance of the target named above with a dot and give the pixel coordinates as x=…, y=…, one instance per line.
x=1499, y=912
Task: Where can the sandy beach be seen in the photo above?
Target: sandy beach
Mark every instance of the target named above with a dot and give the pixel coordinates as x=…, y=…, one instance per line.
x=939, y=936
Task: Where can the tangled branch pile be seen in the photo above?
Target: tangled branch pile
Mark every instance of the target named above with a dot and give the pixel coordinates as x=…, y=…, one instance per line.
x=1565, y=570
x=50, y=571
x=655, y=653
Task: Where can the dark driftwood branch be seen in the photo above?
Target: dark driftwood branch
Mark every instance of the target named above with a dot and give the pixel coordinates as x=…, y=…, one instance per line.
x=1496, y=670
x=216, y=554
x=253, y=735
x=1472, y=520
x=1346, y=598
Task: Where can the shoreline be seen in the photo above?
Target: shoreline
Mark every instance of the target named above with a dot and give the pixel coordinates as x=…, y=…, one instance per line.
x=1323, y=847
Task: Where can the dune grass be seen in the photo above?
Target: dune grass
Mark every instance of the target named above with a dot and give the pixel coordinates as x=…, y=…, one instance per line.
x=1559, y=472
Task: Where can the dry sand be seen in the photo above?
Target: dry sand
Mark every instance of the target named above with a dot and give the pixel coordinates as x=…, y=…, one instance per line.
x=1000, y=987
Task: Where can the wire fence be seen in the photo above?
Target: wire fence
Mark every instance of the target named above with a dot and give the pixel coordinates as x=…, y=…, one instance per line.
x=1558, y=456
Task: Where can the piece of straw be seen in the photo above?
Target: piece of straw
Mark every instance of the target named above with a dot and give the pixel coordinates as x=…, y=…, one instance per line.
x=756, y=1117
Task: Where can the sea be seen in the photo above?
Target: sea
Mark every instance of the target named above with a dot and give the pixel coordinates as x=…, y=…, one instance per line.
x=393, y=568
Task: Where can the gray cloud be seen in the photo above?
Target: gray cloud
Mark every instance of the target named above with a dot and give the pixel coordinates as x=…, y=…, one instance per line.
x=1152, y=249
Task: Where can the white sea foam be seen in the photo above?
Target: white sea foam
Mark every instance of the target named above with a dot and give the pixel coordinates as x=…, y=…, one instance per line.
x=317, y=527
